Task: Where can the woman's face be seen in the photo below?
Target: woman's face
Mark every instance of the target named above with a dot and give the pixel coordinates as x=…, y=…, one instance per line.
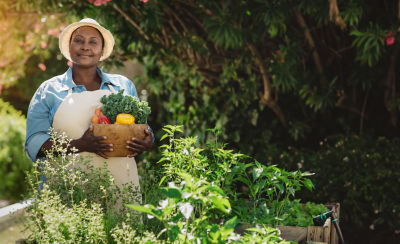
x=86, y=46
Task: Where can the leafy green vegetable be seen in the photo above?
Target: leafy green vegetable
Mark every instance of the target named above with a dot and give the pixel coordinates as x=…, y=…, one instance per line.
x=115, y=104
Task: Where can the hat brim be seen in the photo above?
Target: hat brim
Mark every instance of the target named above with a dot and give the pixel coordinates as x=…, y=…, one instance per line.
x=65, y=38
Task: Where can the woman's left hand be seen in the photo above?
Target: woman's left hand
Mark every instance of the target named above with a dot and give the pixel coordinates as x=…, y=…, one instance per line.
x=137, y=146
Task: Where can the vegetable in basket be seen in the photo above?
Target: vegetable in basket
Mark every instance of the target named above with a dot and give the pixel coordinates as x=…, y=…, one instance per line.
x=115, y=104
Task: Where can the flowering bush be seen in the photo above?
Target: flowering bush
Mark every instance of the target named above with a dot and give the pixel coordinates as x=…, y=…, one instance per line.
x=75, y=202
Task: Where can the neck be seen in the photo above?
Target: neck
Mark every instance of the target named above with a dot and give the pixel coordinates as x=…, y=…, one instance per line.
x=86, y=76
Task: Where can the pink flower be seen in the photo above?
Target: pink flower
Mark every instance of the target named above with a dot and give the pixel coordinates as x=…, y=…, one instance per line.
x=389, y=37
x=98, y=2
x=42, y=67
x=44, y=45
x=69, y=63
x=143, y=1
x=208, y=12
x=37, y=27
x=390, y=40
x=28, y=37
x=27, y=48
x=54, y=32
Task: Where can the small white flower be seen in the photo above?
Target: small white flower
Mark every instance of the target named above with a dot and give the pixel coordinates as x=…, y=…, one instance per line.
x=172, y=185
x=186, y=209
x=163, y=203
x=234, y=237
x=185, y=151
x=186, y=195
x=259, y=171
x=190, y=236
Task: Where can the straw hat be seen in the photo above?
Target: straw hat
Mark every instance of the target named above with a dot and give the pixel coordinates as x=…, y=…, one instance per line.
x=65, y=37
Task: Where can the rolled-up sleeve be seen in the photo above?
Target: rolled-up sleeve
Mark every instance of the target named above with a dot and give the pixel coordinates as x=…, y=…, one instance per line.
x=37, y=124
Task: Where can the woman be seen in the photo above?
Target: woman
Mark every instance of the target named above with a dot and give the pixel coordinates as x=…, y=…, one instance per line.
x=67, y=102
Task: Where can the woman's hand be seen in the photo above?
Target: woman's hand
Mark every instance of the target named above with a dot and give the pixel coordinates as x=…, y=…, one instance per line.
x=90, y=143
x=137, y=146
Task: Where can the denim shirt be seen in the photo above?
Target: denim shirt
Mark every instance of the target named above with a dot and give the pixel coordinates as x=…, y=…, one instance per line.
x=49, y=96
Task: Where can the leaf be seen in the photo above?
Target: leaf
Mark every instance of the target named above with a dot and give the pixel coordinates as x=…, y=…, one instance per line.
x=281, y=188
x=221, y=204
x=172, y=193
x=162, y=180
x=308, y=184
x=231, y=223
x=187, y=178
x=164, y=136
x=168, y=131
x=173, y=233
x=244, y=180
x=216, y=189
x=144, y=209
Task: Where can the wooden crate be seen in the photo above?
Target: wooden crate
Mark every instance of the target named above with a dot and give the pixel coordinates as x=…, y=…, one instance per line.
x=313, y=234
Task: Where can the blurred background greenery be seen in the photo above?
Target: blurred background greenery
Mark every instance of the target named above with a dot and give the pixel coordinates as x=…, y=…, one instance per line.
x=308, y=84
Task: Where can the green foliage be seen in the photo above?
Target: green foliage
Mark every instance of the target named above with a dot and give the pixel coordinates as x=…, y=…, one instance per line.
x=202, y=200
x=115, y=104
x=353, y=169
x=13, y=160
x=74, y=201
x=369, y=45
x=74, y=224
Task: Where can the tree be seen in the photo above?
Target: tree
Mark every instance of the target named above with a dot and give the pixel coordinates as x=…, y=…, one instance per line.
x=287, y=66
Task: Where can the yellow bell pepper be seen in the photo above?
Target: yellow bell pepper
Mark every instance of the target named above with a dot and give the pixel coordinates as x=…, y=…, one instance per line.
x=125, y=119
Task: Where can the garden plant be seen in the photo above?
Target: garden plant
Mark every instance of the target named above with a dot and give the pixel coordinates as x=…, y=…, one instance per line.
x=204, y=193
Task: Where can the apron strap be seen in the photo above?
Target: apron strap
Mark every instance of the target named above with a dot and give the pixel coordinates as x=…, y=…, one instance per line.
x=111, y=88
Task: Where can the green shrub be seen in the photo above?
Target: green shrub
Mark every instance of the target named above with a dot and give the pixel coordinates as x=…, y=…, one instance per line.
x=13, y=160
x=201, y=202
x=211, y=190
x=362, y=173
x=76, y=202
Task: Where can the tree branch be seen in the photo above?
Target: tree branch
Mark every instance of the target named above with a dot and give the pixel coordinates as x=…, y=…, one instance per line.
x=266, y=98
x=126, y=16
x=311, y=44
x=390, y=87
x=334, y=14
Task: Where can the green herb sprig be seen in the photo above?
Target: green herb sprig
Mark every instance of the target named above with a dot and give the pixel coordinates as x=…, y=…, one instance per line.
x=115, y=104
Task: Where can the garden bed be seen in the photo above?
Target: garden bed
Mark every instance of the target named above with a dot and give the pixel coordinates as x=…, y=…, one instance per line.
x=323, y=234
x=12, y=222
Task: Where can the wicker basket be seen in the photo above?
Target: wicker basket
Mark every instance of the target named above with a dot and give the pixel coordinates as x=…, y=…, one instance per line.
x=118, y=135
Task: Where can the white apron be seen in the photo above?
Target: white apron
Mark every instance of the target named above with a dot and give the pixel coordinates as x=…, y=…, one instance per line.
x=74, y=116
